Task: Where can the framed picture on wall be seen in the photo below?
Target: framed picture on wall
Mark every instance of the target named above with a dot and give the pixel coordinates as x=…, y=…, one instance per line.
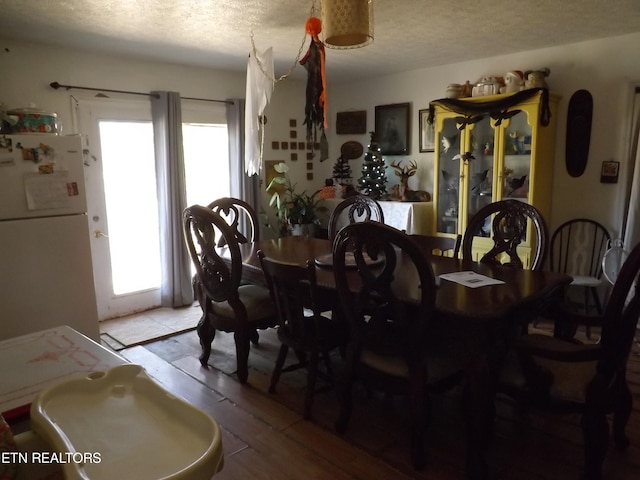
x=393, y=128
x=427, y=132
x=609, y=173
x=351, y=122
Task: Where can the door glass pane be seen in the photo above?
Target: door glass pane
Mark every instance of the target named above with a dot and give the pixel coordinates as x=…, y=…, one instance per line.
x=449, y=161
x=131, y=203
x=206, y=163
x=206, y=158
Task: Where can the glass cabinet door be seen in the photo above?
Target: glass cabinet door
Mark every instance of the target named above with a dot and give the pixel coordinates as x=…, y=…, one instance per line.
x=448, y=200
x=490, y=149
x=516, y=167
x=480, y=170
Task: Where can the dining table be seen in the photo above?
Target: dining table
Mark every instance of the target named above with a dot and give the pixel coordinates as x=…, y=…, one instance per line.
x=478, y=323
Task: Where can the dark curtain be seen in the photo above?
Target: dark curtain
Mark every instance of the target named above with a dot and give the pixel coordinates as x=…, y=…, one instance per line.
x=243, y=186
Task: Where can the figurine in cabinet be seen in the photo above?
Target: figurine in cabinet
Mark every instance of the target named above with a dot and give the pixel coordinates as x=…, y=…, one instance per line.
x=448, y=142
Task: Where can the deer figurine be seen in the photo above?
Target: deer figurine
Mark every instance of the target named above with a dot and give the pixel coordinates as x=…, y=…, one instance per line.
x=403, y=192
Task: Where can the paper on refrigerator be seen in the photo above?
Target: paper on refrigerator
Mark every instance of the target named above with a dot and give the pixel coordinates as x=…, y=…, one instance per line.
x=48, y=191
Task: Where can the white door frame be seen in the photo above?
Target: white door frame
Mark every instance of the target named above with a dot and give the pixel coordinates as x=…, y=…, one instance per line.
x=88, y=113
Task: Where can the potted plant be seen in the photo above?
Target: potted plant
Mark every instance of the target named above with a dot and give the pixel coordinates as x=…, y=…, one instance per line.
x=297, y=212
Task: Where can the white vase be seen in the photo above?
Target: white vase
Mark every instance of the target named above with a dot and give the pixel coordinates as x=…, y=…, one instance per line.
x=303, y=229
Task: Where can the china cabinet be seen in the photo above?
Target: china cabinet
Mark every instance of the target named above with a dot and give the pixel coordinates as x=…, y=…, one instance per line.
x=492, y=148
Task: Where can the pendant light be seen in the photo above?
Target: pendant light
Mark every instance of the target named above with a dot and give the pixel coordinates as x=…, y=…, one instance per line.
x=347, y=23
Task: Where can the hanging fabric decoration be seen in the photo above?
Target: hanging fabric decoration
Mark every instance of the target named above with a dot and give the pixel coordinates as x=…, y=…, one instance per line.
x=259, y=88
x=315, y=111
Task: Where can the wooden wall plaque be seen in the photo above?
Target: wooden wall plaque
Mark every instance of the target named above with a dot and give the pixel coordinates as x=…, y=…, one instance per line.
x=353, y=123
x=579, y=115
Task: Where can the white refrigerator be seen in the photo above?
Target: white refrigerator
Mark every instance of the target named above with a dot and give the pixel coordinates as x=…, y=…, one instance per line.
x=46, y=274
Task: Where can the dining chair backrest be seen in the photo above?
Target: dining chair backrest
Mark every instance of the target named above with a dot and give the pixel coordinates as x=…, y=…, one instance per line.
x=436, y=245
x=577, y=247
x=378, y=318
x=358, y=208
x=227, y=305
x=608, y=390
x=621, y=316
x=240, y=216
x=203, y=230
x=566, y=376
x=389, y=347
x=619, y=323
x=294, y=289
x=508, y=229
x=301, y=325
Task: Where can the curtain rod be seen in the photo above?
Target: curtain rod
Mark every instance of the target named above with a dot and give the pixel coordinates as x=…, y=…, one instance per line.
x=57, y=85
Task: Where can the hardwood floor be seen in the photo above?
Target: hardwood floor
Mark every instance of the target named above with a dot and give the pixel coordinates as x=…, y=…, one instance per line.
x=265, y=437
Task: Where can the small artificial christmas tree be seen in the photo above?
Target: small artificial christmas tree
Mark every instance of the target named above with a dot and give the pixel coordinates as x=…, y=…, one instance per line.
x=342, y=171
x=373, y=178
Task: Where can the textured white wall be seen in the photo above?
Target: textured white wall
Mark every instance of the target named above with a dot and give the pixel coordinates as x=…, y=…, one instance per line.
x=607, y=68
x=28, y=69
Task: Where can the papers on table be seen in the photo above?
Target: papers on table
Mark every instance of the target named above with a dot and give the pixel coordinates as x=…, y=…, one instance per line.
x=470, y=279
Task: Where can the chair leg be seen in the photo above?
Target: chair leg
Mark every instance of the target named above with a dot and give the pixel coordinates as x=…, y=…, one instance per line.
x=242, y=355
x=596, y=439
x=596, y=299
x=277, y=370
x=418, y=422
x=206, y=333
x=595, y=430
x=479, y=413
x=587, y=329
x=345, y=394
x=301, y=355
x=345, y=407
x=312, y=374
x=327, y=362
x=623, y=404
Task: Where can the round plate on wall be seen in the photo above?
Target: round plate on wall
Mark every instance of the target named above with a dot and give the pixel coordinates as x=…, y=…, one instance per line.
x=579, y=116
x=351, y=150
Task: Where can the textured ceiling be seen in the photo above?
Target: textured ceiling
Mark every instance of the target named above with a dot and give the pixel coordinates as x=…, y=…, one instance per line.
x=409, y=34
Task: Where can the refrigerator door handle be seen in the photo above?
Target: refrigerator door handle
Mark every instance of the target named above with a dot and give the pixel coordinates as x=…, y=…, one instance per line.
x=99, y=233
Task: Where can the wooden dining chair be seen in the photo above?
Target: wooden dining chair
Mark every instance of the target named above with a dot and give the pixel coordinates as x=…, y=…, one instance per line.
x=508, y=228
x=358, y=208
x=226, y=304
x=389, y=346
x=436, y=245
x=565, y=376
x=244, y=222
x=295, y=292
x=577, y=248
